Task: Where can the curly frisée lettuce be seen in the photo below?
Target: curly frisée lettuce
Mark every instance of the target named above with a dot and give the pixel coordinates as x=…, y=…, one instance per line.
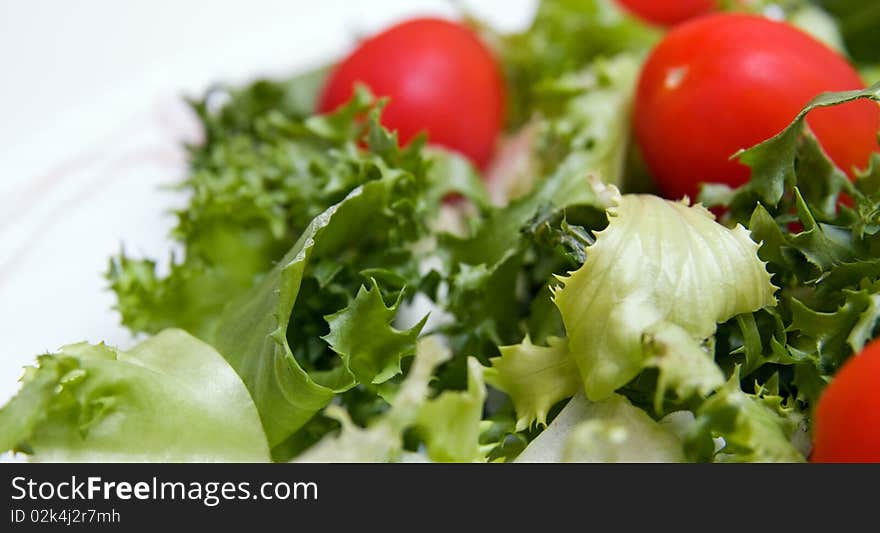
x=266, y=335
x=565, y=36
x=253, y=191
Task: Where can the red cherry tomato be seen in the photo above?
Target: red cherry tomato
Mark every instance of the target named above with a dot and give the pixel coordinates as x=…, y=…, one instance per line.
x=669, y=12
x=846, y=422
x=724, y=82
x=440, y=78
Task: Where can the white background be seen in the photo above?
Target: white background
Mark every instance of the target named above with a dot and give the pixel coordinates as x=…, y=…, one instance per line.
x=90, y=128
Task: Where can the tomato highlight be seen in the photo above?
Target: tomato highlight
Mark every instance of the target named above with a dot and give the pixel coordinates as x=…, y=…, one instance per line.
x=727, y=82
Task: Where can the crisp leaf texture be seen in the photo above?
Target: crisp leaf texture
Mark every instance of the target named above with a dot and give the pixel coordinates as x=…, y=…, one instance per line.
x=535, y=377
x=657, y=261
x=382, y=440
x=450, y=423
x=172, y=398
x=773, y=161
x=363, y=336
x=817, y=231
x=684, y=364
x=256, y=183
x=255, y=187
x=565, y=36
x=752, y=431
x=254, y=332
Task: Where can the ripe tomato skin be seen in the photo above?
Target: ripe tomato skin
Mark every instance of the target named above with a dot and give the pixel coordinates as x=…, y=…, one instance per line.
x=846, y=421
x=668, y=12
x=440, y=78
x=723, y=82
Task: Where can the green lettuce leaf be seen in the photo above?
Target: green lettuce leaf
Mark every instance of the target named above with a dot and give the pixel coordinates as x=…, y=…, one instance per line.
x=363, y=336
x=656, y=262
x=610, y=431
x=751, y=430
x=256, y=332
x=585, y=122
x=535, y=377
x=773, y=162
x=485, y=265
x=171, y=398
x=821, y=248
x=254, y=187
x=382, y=440
x=227, y=111
x=565, y=36
x=450, y=423
x=684, y=364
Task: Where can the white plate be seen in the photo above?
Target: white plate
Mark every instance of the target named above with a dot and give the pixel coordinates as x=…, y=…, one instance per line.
x=92, y=125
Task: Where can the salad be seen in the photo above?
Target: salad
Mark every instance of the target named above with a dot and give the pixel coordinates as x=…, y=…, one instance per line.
x=633, y=232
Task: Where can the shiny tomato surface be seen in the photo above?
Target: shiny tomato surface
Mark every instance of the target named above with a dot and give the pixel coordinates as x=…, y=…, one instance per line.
x=440, y=79
x=725, y=82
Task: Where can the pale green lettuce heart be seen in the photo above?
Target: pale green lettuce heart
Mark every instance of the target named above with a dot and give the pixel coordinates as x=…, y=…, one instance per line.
x=657, y=262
